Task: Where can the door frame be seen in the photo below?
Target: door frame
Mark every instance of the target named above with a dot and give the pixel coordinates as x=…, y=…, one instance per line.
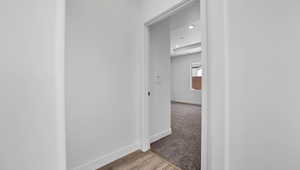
x=144, y=118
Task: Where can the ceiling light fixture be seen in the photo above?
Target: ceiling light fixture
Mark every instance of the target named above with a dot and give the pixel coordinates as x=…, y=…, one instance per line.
x=191, y=27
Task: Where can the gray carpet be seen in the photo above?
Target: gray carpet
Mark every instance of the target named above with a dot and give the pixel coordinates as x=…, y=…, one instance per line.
x=182, y=148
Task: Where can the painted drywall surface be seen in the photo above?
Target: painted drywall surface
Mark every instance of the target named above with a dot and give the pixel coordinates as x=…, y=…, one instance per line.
x=153, y=8
x=181, y=79
x=32, y=117
x=101, y=84
x=185, y=16
x=216, y=85
x=159, y=78
x=263, y=58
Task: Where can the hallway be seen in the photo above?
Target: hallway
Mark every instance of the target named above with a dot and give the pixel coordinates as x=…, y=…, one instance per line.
x=183, y=146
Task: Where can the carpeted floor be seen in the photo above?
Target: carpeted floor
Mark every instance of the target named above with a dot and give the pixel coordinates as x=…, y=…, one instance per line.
x=183, y=146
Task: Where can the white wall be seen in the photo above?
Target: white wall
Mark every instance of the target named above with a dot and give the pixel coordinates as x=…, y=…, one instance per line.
x=159, y=78
x=263, y=50
x=153, y=8
x=101, y=81
x=31, y=88
x=181, y=90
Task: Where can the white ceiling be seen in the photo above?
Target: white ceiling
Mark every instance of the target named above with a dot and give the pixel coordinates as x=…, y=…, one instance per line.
x=185, y=40
x=184, y=36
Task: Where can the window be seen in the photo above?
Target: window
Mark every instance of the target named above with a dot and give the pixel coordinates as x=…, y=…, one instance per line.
x=196, y=76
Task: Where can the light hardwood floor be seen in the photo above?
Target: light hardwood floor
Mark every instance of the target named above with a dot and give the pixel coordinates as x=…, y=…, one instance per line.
x=141, y=161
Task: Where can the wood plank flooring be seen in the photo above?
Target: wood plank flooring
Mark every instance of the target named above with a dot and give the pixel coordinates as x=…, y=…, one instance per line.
x=141, y=161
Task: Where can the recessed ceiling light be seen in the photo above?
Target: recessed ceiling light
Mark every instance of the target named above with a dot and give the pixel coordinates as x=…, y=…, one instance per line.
x=176, y=46
x=191, y=27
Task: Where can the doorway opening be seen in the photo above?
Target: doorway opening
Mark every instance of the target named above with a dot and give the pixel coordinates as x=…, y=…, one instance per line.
x=175, y=112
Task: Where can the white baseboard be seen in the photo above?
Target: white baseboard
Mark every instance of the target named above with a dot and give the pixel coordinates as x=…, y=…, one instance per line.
x=192, y=103
x=106, y=159
x=160, y=135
